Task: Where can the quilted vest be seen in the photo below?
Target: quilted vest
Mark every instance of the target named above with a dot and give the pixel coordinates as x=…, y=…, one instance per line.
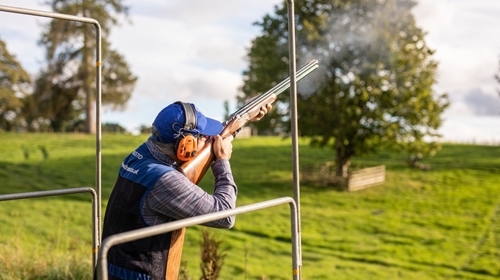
x=145, y=258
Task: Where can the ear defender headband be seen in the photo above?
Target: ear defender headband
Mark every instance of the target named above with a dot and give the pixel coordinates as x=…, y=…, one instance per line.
x=186, y=145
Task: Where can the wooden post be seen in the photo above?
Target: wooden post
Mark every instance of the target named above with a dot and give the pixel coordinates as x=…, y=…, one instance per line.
x=194, y=170
x=175, y=254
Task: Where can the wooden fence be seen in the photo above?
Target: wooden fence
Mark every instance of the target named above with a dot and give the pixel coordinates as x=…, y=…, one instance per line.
x=324, y=175
x=364, y=178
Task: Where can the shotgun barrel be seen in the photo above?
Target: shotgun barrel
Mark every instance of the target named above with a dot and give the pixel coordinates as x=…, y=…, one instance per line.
x=277, y=89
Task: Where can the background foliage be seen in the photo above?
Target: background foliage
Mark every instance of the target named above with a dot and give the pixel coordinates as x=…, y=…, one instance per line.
x=62, y=95
x=14, y=83
x=373, y=88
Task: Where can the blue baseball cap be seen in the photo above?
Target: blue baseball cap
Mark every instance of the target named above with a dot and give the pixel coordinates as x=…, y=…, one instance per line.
x=171, y=120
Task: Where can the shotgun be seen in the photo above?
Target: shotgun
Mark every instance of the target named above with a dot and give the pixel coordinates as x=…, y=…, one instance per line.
x=196, y=168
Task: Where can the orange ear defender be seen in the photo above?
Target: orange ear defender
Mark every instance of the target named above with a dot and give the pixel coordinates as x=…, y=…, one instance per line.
x=186, y=145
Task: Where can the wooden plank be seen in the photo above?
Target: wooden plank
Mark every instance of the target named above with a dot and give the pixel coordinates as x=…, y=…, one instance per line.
x=356, y=180
x=364, y=181
x=361, y=179
x=369, y=170
x=361, y=186
x=364, y=177
x=175, y=254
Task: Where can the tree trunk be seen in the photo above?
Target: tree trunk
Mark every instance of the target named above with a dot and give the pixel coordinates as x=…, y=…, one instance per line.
x=342, y=161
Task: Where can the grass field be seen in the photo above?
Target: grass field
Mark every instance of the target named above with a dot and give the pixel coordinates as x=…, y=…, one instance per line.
x=443, y=223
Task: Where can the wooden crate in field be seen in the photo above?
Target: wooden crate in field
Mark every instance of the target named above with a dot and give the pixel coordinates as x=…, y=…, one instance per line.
x=366, y=177
x=324, y=175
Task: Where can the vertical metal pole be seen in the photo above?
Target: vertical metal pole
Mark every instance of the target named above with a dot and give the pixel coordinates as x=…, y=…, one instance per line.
x=98, y=143
x=96, y=234
x=294, y=125
x=296, y=261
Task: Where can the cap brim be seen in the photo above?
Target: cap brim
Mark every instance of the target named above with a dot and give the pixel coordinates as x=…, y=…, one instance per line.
x=212, y=128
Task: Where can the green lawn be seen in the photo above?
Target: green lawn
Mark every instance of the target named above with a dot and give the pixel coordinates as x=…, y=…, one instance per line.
x=443, y=223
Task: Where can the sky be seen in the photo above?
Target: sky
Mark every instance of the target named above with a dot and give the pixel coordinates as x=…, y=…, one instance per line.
x=194, y=51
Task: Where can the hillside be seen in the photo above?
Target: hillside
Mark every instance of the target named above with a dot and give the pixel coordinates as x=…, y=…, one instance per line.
x=443, y=223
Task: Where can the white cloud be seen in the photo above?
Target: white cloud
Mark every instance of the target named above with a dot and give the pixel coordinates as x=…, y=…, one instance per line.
x=461, y=32
x=464, y=129
x=196, y=12
x=21, y=33
x=464, y=35
x=483, y=104
x=434, y=15
x=462, y=68
x=190, y=83
x=154, y=43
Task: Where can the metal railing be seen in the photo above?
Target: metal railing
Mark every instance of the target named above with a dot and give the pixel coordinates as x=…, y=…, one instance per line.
x=120, y=238
x=90, y=190
x=96, y=235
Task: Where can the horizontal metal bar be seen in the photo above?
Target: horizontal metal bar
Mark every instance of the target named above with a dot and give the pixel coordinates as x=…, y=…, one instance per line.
x=15, y=196
x=95, y=234
x=108, y=242
x=47, y=14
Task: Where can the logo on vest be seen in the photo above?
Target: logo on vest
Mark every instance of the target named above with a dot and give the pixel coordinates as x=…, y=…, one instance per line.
x=129, y=169
x=137, y=154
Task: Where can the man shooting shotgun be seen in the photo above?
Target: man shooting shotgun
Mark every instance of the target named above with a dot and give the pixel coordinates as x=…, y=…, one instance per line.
x=157, y=183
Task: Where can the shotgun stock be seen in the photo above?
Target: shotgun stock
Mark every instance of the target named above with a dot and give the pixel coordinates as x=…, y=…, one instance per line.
x=196, y=168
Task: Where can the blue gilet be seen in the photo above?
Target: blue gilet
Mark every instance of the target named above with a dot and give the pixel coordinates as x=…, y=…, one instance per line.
x=146, y=258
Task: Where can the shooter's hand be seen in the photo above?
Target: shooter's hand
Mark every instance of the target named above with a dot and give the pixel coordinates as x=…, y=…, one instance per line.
x=263, y=111
x=222, y=148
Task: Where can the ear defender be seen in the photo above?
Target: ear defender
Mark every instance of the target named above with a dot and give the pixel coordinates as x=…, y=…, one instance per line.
x=186, y=145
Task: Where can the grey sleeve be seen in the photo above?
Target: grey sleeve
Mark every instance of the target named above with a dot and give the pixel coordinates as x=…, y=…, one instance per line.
x=174, y=197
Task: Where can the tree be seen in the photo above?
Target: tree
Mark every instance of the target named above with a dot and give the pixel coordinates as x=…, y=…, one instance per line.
x=145, y=129
x=497, y=77
x=113, y=128
x=70, y=75
x=227, y=113
x=14, y=82
x=374, y=86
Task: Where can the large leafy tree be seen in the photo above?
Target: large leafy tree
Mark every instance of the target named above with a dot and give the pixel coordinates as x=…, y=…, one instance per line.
x=65, y=89
x=14, y=83
x=374, y=85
